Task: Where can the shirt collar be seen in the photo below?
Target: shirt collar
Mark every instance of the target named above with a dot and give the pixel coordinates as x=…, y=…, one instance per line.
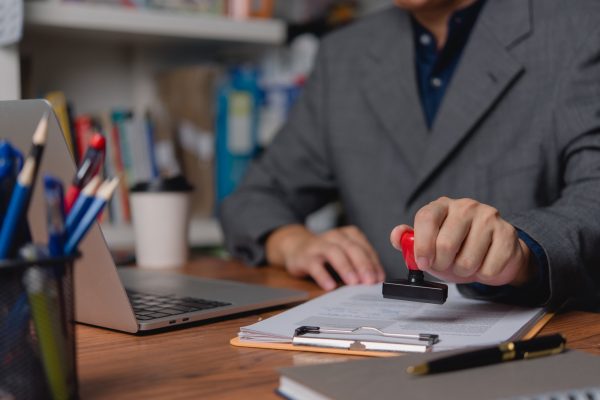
x=460, y=25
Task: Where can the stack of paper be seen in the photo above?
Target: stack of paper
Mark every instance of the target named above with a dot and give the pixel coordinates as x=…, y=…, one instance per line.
x=460, y=322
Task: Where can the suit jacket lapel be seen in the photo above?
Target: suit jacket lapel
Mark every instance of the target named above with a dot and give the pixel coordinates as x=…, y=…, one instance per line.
x=485, y=72
x=390, y=87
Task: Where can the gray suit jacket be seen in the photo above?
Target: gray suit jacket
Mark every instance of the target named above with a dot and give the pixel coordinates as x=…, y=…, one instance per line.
x=518, y=128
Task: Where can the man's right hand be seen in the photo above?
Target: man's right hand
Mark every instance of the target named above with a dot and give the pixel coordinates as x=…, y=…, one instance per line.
x=345, y=249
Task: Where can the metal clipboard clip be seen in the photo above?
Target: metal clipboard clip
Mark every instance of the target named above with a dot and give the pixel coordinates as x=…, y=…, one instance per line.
x=322, y=337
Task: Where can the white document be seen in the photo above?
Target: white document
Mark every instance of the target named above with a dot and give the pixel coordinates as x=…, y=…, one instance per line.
x=460, y=322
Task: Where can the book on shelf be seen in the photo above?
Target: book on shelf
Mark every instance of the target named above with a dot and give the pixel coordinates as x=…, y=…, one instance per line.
x=186, y=95
x=62, y=110
x=237, y=9
x=238, y=107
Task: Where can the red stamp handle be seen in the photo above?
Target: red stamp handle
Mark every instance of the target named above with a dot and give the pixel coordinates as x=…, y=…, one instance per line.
x=407, y=244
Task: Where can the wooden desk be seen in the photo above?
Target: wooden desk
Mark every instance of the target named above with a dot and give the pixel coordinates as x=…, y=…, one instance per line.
x=198, y=362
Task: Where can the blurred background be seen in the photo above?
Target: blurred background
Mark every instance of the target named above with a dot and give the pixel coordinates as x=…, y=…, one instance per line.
x=198, y=87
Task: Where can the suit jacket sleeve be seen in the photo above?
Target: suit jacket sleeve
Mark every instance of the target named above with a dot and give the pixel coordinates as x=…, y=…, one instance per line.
x=292, y=178
x=569, y=229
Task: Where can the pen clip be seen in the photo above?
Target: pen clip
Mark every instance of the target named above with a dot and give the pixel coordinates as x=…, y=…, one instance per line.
x=542, y=353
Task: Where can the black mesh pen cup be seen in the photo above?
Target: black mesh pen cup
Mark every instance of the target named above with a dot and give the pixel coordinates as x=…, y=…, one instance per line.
x=37, y=336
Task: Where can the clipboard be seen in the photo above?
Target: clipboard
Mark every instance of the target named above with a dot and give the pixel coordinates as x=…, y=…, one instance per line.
x=536, y=328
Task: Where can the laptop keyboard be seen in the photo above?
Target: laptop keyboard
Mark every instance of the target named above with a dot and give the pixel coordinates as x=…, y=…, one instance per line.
x=150, y=306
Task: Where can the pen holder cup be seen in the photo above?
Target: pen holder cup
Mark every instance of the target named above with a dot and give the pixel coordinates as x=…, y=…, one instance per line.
x=37, y=335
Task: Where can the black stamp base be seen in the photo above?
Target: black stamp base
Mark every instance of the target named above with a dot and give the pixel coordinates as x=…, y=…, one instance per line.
x=424, y=291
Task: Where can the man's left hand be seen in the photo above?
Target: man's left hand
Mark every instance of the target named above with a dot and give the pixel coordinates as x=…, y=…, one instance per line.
x=466, y=241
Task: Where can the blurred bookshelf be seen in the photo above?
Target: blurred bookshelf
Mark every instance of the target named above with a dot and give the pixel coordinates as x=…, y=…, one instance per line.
x=127, y=23
x=189, y=70
x=108, y=56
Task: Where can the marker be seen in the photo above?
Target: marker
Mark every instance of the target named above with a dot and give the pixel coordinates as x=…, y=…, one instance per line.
x=43, y=305
x=89, y=167
x=53, y=197
x=55, y=216
x=102, y=196
x=85, y=198
x=17, y=207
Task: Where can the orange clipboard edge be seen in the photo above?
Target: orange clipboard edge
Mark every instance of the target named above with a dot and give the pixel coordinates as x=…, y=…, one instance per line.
x=537, y=327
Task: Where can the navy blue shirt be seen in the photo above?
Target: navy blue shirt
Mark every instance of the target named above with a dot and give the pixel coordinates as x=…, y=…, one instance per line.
x=435, y=68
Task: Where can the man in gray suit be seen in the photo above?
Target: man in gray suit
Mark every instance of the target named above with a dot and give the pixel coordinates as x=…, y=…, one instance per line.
x=477, y=122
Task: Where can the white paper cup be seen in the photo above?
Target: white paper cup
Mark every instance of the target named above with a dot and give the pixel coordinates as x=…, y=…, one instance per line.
x=161, y=228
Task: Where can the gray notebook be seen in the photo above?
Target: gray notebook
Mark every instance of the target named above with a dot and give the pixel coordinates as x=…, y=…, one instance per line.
x=570, y=375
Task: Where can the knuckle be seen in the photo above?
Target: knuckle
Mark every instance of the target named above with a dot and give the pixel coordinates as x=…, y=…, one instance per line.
x=510, y=232
x=315, y=268
x=329, y=248
x=445, y=245
x=488, y=273
x=490, y=214
x=332, y=235
x=466, y=206
x=426, y=214
x=467, y=264
x=352, y=229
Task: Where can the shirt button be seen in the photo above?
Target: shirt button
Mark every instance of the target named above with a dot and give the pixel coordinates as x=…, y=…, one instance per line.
x=425, y=39
x=436, y=82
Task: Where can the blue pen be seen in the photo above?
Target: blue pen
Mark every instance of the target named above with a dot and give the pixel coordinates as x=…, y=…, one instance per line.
x=102, y=196
x=81, y=205
x=54, y=199
x=11, y=161
x=15, y=215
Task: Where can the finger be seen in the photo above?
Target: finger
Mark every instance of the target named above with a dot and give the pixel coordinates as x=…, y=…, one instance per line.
x=361, y=262
x=356, y=235
x=397, y=233
x=473, y=251
x=363, y=256
x=449, y=276
x=502, y=249
x=427, y=225
x=316, y=269
x=451, y=235
x=340, y=261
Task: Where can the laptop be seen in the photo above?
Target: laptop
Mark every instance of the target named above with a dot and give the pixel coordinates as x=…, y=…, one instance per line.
x=126, y=299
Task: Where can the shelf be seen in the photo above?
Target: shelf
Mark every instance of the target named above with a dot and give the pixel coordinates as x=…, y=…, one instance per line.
x=203, y=233
x=102, y=20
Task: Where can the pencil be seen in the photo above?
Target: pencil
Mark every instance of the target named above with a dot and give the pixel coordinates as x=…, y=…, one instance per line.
x=85, y=198
x=102, y=196
x=38, y=142
x=20, y=230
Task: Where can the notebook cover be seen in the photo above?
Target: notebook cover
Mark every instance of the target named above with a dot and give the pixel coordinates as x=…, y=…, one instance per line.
x=387, y=379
